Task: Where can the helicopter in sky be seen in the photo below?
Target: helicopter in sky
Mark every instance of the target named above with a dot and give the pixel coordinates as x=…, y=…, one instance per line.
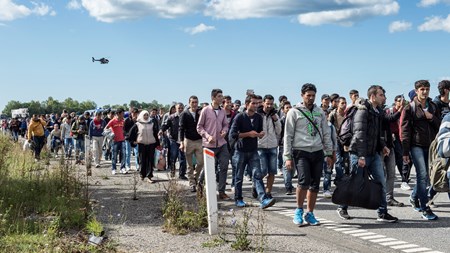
x=101, y=60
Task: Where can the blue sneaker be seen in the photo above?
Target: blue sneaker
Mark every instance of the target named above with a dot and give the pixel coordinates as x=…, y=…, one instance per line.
x=427, y=214
x=415, y=204
x=310, y=219
x=298, y=217
x=267, y=203
x=240, y=203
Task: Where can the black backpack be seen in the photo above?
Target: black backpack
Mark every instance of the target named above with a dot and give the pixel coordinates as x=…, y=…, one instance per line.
x=345, y=134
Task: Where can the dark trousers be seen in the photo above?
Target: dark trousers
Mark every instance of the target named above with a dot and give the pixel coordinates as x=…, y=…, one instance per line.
x=146, y=159
x=404, y=169
x=38, y=144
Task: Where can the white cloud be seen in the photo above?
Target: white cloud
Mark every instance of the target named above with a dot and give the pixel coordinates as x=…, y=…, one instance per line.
x=199, y=29
x=428, y=3
x=399, y=26
x=348, y=17
x=10, y=11
x=436, y=24
x=313, y=12
x=73, y=5
x=42, y=9
x=113, y=10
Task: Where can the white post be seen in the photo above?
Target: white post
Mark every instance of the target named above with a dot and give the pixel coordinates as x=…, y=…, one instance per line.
x=211, y=199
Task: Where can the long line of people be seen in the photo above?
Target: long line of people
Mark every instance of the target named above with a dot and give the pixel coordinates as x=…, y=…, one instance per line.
x=261, y=142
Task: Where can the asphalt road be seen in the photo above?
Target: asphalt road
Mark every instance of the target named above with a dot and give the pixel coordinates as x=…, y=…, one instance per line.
x=363, y=233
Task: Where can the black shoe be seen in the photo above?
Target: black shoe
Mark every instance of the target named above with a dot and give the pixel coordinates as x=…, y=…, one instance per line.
x=289, y=192
x=385, y=217
x=394, y=202
x=254, y=193
x=269, y=195
x=193, y=189
x=183, y=177
x=429, y=215
x=343, y=214
x=415, y=204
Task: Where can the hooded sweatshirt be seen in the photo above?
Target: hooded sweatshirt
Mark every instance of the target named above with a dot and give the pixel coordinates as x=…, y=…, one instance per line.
x=300, y=134
x=36, y=128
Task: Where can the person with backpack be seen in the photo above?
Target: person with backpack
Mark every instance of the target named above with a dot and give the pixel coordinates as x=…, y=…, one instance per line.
x=366, y=145
x=420, y=121
x=246, y=129
x=79, y=130
x=268, y=144
x=336, y=118
x=442, y=100
x=307, y=140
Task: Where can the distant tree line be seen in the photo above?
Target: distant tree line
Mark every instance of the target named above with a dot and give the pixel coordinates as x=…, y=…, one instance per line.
x=52, y=105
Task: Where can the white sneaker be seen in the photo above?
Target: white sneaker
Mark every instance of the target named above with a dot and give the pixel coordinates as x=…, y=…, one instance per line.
x=248, y=178
x=127, y=168
x=113, y=172
x=327, y=194
x=280, y=173
x=123, y=171
x=97, y=165
x=405, y=186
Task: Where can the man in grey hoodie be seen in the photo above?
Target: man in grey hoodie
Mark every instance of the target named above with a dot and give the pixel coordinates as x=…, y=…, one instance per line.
x=307, y=139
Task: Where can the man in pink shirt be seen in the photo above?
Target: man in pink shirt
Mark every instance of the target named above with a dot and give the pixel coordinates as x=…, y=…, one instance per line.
x=213, y=127
x=116, y=126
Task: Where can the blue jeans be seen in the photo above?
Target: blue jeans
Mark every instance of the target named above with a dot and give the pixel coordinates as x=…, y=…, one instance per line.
x=128, y=154
x=280, y=157
x=419, y=157
x=327, y=172
x=116, y=149
x=375, y=167
x=175, y=153
x=54, y=143
x=287, y=176
x=250, y=159
x=15, y=135
x=268, y=157
x=341, y=158
x=68, y=146
x=79, y=148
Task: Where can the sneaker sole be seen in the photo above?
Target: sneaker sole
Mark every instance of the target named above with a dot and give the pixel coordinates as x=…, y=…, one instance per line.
x=343, y=218
x=269, y=205
x=387, y=221
x=299, y=224
x=425, y=218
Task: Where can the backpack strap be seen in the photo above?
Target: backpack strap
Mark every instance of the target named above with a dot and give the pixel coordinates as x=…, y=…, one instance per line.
x=312, y=123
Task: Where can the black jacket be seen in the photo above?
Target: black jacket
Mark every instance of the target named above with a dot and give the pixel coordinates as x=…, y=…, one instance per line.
x=386, y=126
x=188, y=126
x=127, y=125
x=415, y=128
x=173, y=124
x=243, y=124
x=367, y=126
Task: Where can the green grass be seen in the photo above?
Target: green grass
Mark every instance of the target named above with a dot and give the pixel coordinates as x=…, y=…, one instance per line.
x=39, y=203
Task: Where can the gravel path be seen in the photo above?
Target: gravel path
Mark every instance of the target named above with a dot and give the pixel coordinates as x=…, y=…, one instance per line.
x=137, y=224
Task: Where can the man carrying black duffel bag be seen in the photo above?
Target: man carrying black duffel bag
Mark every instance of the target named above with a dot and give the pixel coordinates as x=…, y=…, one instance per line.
x=365, y=148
